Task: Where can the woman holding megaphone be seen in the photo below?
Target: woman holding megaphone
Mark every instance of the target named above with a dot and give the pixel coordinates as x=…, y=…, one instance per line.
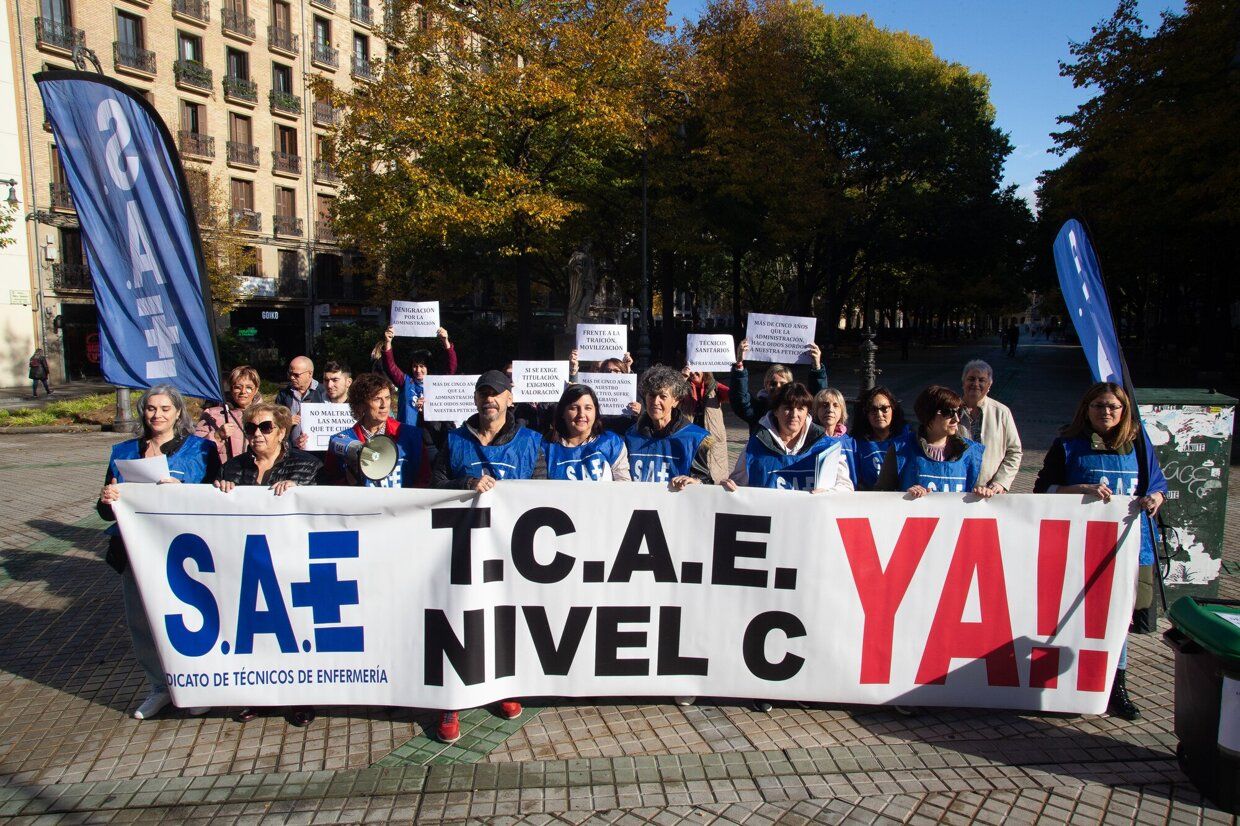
x=378, y=451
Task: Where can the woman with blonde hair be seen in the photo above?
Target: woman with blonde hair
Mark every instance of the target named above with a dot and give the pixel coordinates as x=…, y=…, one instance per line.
x=223, y=423
x=831, y=412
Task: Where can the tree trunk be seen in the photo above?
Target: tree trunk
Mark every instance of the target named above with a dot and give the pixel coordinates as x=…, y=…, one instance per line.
x=737, y=256
x=667, y=289
x=525, y=310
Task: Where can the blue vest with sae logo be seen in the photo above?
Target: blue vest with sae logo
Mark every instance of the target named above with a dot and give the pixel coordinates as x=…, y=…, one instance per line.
x=410, y=392
x=514, y=460
x=1083, y=465
x=870, y=456
x=956, y=476
x=768, y=469
x=589, y=462
x=654, y=459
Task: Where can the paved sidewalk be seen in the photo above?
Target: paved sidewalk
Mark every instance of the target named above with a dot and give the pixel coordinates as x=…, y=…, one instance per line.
x=69, y=752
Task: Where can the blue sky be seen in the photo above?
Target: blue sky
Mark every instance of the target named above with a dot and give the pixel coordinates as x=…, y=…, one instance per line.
x=1016, y=43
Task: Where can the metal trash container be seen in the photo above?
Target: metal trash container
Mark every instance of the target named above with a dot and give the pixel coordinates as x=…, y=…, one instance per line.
x=1205, y=636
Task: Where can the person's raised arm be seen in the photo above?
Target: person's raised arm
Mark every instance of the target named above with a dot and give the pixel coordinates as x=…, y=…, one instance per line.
x=389, y=359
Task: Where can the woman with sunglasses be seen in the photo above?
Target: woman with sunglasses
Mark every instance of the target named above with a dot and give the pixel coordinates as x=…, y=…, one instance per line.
x=878, y=426
x=271, y=461
x=1096, y=455
x=577, y=447
x=938, y=459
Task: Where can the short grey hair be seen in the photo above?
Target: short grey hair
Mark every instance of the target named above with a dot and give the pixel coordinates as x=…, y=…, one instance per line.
x=978, y=364
x=183, y=426
x=661, y=377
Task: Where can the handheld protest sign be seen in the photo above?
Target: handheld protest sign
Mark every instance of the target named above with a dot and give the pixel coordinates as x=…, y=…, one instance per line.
x=415, y=319
x=614, y=390
x=321, y=421
x=710, y=352
x=448, y=398
x=780, y=338
x=597, y=342
x=538, y=381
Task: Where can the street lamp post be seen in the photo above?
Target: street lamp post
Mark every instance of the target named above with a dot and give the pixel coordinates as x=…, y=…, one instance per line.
x=643, y=320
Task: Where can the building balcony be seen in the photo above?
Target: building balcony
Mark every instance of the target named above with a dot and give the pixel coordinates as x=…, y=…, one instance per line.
x=292, y=286
x=283, y=40
x=338, y=289
x=326, y=172
x=242, y=154
x=361, y=13
x=192, y=74
x=196, y=144
x=61, y=199
x=54, y=34
x=325, y=231
x=284, y=103
x=237, y=23
x=197, y=11
x=325, y=114
x=286, y=163
x=133, y=57
x=240, y=90
x=71, y=277
x=324, y=55
x=330, y=5
x=363, y=68
x=245, y=219
x=288, y=225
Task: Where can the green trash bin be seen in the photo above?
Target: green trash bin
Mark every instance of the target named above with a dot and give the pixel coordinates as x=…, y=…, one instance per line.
x=1205, y=635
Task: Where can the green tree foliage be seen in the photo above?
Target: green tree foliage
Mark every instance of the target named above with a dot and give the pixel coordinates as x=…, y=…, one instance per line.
x=1154, y=168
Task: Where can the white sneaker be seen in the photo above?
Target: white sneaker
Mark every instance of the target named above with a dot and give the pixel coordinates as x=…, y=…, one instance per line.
x=197, y=711
x=154, y=703
x=685, y=701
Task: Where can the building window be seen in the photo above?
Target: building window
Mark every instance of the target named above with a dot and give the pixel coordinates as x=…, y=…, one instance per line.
x=241, y=194
x=282, y=15
x=56, y=12
x=286, y=202
x=322, y=31
x=290, y=265
x=255, y=269
x=361, y=48
x=129, y=31
x=286, y=140
x=193, y=116
x=324, y=149
x=240, y=129
x=189, y=47
x=282, y=78
x=238, y=64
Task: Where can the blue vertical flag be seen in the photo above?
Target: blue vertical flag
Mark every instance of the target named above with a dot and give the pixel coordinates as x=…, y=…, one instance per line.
x=141, y=241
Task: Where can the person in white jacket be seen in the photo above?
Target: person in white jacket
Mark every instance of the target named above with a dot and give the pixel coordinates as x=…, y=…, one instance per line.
x=990, y=422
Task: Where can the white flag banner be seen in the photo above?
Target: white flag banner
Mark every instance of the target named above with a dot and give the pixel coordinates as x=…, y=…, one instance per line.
x=780, y=338
x=710, y=352
x=539, y=381
x=321, y=421
x=448, y=398
x=415, y=319
x=614, y=390
x=446, y=599
x=597, y=342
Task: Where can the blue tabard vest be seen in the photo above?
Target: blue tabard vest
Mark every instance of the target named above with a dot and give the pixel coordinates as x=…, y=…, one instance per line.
x=652, y=459
x=188, y=465
x=870, y=456
x=768, y=469
x=410, y=392
x=957, y=476
x=408, y=440
x=514, y=460
x=849, y=456
x=589, y=462
x=1085, y=466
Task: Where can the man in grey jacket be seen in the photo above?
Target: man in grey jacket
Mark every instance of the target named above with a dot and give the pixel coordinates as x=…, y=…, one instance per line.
x=990, y=422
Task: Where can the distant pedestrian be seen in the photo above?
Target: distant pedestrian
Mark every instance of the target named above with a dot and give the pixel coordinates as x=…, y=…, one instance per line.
x=39, y=371
x=1013, y=336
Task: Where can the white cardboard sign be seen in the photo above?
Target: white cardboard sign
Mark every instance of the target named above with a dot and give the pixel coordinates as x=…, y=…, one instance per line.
x=322, y=421
x=710, y=352
x=596, y=342
x=415, y=319
x=780, y=338
x=448, y=398
x=538, y=381
x=614, y=390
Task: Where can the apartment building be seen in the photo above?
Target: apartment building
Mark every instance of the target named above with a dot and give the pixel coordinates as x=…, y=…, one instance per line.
x=230, y=79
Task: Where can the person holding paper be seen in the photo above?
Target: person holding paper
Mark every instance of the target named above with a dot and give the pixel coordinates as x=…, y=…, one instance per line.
x=664, y=444
x=223, y=424
x=831, y=412
x=938, y=459
x=370, y=397
x=751, y=409
x=164, y=433
x=784, y=453
x=301, y=387
x=577, y=448
x=704, y=405
x=879, y=424
x=409, y=406
x=616, y=424
x=991, y=423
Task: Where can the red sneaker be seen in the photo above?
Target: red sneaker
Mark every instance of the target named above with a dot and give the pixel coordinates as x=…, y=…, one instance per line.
x=510, y=709
x=449, y=727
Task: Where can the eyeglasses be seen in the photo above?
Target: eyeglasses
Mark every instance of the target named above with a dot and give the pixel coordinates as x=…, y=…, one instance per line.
x=950, y=412
x=880, y=408
x=292, y=374
x=1109, y=408
x=265, y=427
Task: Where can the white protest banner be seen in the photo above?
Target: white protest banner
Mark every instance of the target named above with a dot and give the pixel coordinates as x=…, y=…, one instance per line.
x=321, y=421
x=415, y=319
x=780, y=338
x=450, y=599
x=596, y=342
x=448, y=398
x=538, y=381
x=614, y=390
x=710, y=352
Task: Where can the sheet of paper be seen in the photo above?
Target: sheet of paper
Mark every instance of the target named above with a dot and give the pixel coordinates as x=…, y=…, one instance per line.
x=415, y=319
x=780, y=338
x=539, y=381
x=710, y=352
x=150, y=470
x=827, y=467
x=614, y=390
x=596, y=342
x=448, y=398
x=321, y=421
